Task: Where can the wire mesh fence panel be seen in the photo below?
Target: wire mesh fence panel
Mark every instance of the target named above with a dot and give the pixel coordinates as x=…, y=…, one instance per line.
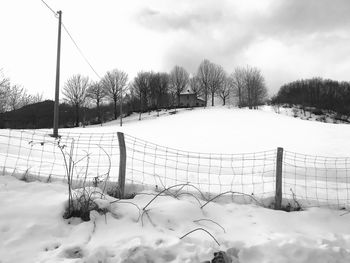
x=312, y=180
x=158, y=166
x=37, y=153
x=317, y=180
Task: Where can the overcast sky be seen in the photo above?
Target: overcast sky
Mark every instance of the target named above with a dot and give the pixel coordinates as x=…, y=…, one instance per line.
x=286, y=39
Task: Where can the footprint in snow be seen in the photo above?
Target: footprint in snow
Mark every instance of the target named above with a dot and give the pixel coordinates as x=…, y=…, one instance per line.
x=73, y=252
x=53, y=246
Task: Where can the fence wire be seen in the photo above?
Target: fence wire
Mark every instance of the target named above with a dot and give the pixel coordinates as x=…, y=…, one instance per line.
x=37, y=153
x=212, y=173
x=317, y=180
x=313, y=180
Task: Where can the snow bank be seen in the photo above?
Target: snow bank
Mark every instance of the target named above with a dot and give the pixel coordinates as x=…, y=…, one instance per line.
x=32, y=230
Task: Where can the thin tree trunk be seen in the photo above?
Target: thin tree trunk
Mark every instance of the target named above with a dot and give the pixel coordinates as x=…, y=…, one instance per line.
x=157, y=109
x=98, y=111
x=76, y=115
x=140, y=107
x=212, y=99
x=115, y=108
x=239, y=97
x=249, y=98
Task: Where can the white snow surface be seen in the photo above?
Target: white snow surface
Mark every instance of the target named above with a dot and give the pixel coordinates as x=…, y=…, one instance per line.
x=233, y=130
x=32, y=230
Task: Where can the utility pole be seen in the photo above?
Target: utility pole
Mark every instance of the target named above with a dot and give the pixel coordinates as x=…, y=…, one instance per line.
x=57, y=90
x=121, y=105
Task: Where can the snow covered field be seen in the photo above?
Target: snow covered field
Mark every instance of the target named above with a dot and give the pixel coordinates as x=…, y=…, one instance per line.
x=225, y=130
x=32, y=228
x=203, y=147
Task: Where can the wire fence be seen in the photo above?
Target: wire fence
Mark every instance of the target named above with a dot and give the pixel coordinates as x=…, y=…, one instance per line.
x=211, y=173
x=37, y=153
x=317, y=180
x=312, y=180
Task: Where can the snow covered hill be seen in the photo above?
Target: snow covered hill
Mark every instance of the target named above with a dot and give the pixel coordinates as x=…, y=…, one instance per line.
x=233, y=130
x=32, y=228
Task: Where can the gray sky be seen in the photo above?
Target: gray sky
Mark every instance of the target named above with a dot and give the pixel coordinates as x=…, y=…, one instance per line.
x=286, y=39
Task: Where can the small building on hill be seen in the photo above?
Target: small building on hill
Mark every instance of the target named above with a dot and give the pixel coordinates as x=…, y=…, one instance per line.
x=189, y=99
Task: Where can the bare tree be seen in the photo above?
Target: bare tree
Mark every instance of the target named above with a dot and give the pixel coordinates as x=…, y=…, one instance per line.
x=4, y=92
x=10, y=96
x=204, y=77
x=158, y=89
x=141, y=89
x=4, y=82
x=225, y=89
x=4, y=95
x=96, y=93
x=249, y=85
x=164, y=82
x=179, y=79
x=37, y=98
x=196, y=86
x=153, y=90
x=15, y=97
x=114, y=84
x=27, y=99
x=238, y=84
x=255, y=86
x=259, y=90
x=217, y=79
x=75, y=91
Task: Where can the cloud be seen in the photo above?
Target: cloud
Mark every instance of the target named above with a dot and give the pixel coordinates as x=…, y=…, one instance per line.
x=181, y=20
x=305, y=17
x=286, y=38
x=274, y=18
x=202, y=29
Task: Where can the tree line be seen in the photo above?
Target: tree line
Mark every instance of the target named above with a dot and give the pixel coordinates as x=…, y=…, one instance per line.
x=161, y=90
x=13, y=97
x=316, y=92
x=158, y=90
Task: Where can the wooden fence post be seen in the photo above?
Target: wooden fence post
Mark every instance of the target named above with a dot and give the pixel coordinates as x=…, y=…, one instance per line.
x=122, y=163
x=278, y=194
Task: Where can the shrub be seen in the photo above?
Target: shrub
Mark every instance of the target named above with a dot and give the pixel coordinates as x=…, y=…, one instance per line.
x=83, y=200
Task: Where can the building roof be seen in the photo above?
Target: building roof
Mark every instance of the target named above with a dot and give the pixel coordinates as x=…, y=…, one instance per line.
x=187, y=92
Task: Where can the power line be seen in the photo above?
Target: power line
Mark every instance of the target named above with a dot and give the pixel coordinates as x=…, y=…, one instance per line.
x=55, y=14
x=74, y=42
x=80, y=51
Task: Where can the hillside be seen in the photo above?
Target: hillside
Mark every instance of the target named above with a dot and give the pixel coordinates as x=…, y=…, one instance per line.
x=169, y=227
x=233, y=130
x=36, y=116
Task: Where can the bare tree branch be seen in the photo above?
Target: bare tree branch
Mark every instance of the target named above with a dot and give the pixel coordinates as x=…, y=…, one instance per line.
x=96, y=94
x=249, y=85
x=114, y=82
x=75, y=91
x=204, y=76
x=179, y=79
